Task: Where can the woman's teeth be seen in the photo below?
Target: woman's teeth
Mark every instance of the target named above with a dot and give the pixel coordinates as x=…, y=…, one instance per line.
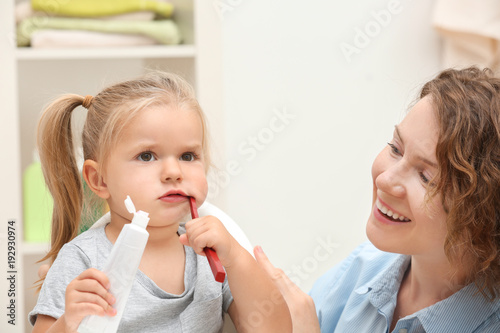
x=390, y=213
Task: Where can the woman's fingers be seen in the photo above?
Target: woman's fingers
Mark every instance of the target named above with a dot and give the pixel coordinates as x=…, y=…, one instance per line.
x=301, y=305
x=284, y=284
x=42, y=271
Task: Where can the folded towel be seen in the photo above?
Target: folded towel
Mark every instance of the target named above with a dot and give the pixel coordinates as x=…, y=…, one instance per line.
x=80, y=38
x=24, y=10
x=470, y=16
x=464, y=50
x=163, y=31
x=470, y=31
x=91, y=8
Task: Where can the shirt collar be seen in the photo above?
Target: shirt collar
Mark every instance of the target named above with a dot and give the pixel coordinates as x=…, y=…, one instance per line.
x=385, y=285
x=464, y=311
x=467, y=302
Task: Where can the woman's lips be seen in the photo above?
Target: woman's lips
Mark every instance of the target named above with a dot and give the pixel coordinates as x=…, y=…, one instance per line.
x=388, y=212
x=384, y=214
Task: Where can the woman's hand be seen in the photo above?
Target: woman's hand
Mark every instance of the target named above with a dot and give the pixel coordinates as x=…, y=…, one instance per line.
x=43, y=270
x=87, y=295
x=301, y=305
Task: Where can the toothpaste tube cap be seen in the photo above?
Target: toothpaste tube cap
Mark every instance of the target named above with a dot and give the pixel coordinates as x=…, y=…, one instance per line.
x=141, y=218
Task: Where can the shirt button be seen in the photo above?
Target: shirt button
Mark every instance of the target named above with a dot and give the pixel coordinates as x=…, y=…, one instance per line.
x=403, y=330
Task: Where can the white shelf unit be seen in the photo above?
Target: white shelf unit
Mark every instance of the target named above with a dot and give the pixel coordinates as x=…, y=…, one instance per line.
x=143, y=52
x=31, y=77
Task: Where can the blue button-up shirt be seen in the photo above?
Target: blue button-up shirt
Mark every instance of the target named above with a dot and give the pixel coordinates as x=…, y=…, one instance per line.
x=360, y=294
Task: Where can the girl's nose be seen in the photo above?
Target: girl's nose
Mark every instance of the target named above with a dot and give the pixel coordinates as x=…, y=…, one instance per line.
x=171, y=170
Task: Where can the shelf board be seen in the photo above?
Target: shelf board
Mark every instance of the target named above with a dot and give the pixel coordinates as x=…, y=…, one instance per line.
x=137, y=52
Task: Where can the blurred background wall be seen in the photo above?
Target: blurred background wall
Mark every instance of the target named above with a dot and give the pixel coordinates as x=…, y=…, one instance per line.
x=312, y=91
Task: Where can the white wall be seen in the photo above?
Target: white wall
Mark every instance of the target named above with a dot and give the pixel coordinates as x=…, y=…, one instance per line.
x=301, y=188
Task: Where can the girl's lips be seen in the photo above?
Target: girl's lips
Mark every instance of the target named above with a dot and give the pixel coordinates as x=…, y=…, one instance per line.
x=174, y=196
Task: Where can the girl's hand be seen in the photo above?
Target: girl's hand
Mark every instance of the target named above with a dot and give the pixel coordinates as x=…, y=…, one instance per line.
x=87, y=295
x=300, y=305
x=208, y=231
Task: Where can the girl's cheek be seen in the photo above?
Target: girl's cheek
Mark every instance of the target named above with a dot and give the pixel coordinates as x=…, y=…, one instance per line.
x=204, y=188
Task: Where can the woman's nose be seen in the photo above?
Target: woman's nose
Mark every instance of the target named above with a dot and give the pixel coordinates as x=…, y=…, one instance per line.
x=391, y=181
x=171, y=170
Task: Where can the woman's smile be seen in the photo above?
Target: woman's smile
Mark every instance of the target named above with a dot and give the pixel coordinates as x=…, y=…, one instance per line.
x=385, y=214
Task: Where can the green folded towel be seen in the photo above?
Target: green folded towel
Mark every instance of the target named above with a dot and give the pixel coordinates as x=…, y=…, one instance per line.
x=92, y=8
x=163, y=31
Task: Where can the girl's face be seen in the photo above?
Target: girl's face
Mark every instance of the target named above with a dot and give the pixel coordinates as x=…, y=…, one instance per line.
x=401, y=221
x=159, y=163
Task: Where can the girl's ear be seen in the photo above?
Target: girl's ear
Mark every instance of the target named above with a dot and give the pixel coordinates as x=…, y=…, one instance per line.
x=94, y=179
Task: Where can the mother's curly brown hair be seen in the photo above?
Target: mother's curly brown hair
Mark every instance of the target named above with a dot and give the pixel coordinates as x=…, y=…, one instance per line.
x=467, y=104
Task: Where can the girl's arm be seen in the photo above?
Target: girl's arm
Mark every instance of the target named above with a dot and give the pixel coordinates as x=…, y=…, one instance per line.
x=258, y=305
x=47, y=324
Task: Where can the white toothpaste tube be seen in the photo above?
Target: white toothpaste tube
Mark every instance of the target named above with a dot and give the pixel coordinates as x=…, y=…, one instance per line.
x=121, y=268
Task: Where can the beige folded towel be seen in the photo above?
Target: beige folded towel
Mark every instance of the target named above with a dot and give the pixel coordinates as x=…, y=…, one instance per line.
x=470, y=31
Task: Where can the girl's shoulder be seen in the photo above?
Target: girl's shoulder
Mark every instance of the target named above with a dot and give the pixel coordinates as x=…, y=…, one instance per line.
x=94, y=234
x=91, y=235
x=88, y=246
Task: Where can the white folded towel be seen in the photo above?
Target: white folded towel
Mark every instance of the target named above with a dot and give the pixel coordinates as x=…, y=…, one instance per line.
x=79, y=38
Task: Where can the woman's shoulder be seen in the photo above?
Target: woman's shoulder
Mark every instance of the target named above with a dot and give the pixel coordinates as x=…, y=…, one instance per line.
x=361, y=266
x=366, y=257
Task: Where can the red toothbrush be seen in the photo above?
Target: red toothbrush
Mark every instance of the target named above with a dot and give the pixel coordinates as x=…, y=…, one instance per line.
x=213, y=259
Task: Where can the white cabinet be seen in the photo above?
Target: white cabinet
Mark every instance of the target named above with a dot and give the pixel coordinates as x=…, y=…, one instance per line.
x=30, y=78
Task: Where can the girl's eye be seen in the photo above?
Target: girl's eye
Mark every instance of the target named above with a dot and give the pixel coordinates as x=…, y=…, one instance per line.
x=188, y=157
x=146, y=157
x=394, y=149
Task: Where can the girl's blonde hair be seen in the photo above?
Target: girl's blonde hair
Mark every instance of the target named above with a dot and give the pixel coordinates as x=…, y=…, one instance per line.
x=108, y=113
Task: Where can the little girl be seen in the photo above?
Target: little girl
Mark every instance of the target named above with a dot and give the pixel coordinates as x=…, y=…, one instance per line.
x=145, y=138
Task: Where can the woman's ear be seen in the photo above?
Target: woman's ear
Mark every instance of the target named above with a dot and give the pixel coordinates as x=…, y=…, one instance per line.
x=94, y=179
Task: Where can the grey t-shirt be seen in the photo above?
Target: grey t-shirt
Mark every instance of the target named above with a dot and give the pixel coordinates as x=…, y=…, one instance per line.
x=200, y=308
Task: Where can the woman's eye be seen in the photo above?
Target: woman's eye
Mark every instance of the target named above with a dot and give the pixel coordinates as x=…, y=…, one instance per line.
x=146, y=157
x=188, y=157
x=394, y=149
x=424, y=178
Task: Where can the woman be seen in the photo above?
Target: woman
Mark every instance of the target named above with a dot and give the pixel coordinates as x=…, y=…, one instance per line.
x=432, y=263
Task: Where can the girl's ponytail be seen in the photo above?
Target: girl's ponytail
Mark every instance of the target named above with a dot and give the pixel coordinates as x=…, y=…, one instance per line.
x=57, y=156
